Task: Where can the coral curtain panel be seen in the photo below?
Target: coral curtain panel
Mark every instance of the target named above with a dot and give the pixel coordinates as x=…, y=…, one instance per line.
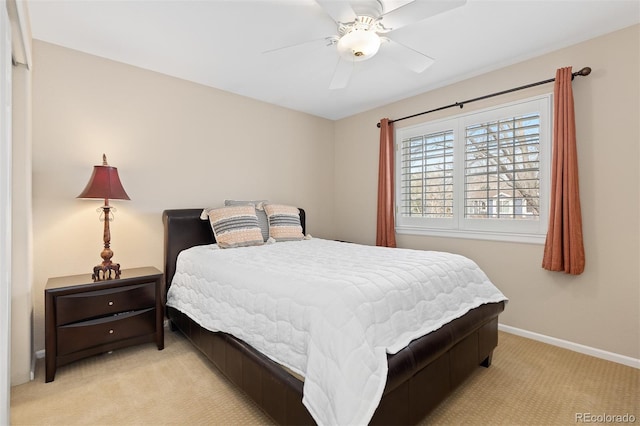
x=386, y=232
x=564, y=250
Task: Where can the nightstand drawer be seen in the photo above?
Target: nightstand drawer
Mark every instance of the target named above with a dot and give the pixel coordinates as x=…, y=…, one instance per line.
x=93, y=304
x=102, y=331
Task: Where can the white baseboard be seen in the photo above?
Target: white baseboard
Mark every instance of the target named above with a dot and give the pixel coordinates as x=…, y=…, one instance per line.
x=38, y=355
x=576, y=347
x=32, y=372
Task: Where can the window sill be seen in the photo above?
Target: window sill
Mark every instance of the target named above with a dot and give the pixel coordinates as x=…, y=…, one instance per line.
x=472, y=235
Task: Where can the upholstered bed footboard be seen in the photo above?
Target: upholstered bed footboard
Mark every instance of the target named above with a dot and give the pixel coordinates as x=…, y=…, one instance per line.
x=420, y=376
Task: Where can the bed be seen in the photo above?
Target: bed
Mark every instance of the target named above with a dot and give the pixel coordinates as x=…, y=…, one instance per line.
x=418, y=376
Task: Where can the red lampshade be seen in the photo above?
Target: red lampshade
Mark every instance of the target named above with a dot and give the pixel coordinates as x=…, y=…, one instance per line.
x=104, y=183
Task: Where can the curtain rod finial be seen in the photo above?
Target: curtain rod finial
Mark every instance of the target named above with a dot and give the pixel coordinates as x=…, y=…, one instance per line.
x=378, y=125
x=584, y=71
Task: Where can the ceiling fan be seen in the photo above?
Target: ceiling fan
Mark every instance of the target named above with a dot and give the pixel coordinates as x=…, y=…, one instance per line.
x=363, y=29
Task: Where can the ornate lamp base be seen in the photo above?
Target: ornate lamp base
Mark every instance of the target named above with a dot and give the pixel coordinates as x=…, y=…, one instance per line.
x=107, y=266
x=106, y=271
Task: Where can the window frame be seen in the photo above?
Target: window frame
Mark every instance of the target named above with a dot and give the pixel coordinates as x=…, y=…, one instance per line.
x=513, y=230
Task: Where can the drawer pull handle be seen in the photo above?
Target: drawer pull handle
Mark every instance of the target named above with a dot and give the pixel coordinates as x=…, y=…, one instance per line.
x=110, y=303
x=111, y=331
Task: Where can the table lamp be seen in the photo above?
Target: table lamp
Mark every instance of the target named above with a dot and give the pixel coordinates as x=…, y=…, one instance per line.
x=105, y=184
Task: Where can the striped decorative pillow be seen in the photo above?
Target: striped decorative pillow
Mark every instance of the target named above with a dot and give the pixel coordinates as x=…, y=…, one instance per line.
x=235, y=226
x=263, y=223
x=284, y=222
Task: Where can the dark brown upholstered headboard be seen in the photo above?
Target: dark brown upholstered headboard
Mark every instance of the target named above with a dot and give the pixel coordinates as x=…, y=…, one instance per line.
x=183, y=228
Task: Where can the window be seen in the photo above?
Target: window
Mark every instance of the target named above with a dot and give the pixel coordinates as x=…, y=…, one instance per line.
x=480, y=175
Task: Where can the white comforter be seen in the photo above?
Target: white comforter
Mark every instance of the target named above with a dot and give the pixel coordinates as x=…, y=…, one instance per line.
x=329, y=311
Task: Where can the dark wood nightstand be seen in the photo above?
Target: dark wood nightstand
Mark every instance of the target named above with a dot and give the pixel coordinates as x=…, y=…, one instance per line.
x=85, y=317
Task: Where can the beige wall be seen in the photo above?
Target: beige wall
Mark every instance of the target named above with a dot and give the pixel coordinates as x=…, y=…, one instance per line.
x=176, y=144
x=599, y=308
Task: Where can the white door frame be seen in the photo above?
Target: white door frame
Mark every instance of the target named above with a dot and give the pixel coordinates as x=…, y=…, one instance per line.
x=5, y=214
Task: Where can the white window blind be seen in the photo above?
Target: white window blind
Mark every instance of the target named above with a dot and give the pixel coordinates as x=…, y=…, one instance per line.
x=427, y=175
x=502, y=169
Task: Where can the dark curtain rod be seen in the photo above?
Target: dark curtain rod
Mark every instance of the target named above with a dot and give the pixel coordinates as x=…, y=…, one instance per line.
x=583, y=72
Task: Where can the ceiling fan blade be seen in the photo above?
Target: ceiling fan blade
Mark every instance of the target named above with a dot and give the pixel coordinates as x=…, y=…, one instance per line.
x=342, y=74
x=417, y=11
x=340, y=11
x=408, y=57
x=305, y=45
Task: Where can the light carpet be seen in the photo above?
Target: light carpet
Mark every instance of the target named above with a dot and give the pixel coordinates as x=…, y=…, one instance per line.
x=529, y=383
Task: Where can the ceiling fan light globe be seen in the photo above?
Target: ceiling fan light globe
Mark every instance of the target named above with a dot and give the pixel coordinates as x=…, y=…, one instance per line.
x=359, y=44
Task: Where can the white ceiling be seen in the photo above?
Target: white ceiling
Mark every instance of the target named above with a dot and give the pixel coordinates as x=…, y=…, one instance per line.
x=220, y=43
